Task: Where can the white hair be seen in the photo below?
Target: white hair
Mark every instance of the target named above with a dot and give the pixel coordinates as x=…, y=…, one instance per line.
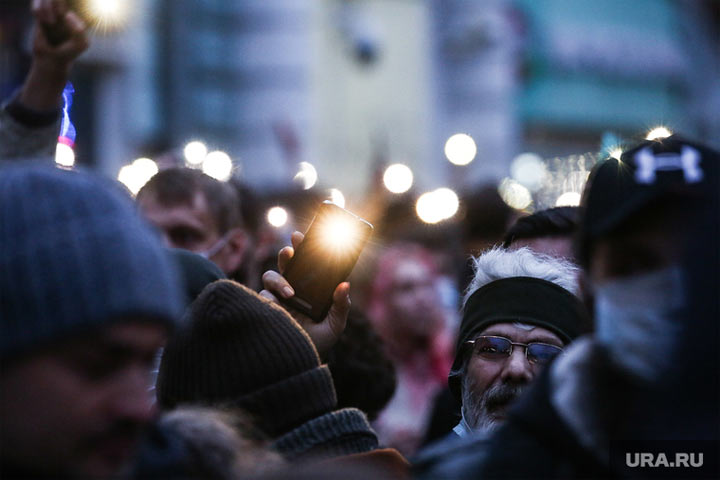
x=498, y=263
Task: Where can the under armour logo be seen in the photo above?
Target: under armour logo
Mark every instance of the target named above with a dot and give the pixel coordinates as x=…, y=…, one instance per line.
x=648, y=164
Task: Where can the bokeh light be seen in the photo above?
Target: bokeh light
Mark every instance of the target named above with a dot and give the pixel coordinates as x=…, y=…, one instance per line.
x=306, y=176
x=398, y=178
x=568, y=199
x=195, y=153
x=460, y=149
x=64, y=155
x=658, y=133
x=337, y=197
x=277, y=217
x=137, y=174
x=529, y=169
x=514, y=194
x=218, y=165
x=438, y=205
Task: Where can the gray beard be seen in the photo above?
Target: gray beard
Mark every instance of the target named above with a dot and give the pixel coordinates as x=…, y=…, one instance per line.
x=481, y=411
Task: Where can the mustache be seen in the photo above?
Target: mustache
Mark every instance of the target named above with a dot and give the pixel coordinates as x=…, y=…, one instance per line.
x=501, y=395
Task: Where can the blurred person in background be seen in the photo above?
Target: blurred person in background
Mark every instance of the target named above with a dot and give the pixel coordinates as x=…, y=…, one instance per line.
x=30, y=119
x=363, y=374
x=548, y=231
x=406, y=311
x=196, y=212
x=88, y=297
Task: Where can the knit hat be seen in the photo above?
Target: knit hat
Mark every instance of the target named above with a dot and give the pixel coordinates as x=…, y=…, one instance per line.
x=239, y=349
x=518, y=299
x=74, y=255
x=616, y=190
x=196, y=272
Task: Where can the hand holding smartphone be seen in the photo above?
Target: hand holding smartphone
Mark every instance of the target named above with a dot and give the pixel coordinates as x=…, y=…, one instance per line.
x=324, y=259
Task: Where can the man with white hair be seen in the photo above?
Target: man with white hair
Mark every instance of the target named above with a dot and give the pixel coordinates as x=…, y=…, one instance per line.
x=519, y=312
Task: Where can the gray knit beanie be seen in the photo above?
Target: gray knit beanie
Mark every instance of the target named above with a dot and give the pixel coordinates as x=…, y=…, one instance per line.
x=74, y=255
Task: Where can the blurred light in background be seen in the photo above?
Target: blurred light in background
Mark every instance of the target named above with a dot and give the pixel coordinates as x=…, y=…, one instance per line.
x=195, y=153
x=64, y=155
x=460, y=149
x=306, y=176
x=277, y=217
x=616, y=153
x=529, y=169
x=137, y=174
x=438, y=205
x=514, y=194
x=658, y=133
x=568, y=199
x=218, y=165
x=398, y=178
x=337, y=197
x=106, y=14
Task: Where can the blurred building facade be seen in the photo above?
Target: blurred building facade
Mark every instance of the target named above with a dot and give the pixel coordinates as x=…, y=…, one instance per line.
x=345, y=83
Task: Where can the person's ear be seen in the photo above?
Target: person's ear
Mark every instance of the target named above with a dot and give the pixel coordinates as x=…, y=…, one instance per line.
x=235, y=251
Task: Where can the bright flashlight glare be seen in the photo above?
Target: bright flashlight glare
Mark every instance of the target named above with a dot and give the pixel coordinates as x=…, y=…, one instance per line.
x=514, y=194
x=398, y=178
x=568, y=199
x=658, y=133
x=195, y=153
x=339, y=232
x=337, y=197
x=218, y=165
x=460, y=149
x=616, y=153
x=64, y=155
x=277, y=217
x=108, y=14
x=306, y=176
x=529, y=169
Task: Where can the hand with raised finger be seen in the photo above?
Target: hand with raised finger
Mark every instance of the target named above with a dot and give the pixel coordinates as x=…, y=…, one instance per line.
x=324, y=334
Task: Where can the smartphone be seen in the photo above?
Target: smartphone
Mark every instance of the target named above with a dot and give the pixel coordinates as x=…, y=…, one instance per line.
x=325, y=258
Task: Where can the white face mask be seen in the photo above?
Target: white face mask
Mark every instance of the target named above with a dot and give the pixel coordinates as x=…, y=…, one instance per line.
x=639, y=320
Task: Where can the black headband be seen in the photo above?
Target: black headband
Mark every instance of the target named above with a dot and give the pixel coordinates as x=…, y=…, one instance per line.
x=519, y=299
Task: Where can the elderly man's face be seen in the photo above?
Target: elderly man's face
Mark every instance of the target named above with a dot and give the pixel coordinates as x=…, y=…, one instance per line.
x=76, y=409
x=491, y=385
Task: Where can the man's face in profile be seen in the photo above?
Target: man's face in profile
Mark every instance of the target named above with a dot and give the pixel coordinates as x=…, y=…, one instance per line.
x=76, y=408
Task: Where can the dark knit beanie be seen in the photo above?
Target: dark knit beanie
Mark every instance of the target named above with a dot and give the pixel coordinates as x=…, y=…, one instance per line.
x=75, y=255
x=196, y=272
x=239, y=349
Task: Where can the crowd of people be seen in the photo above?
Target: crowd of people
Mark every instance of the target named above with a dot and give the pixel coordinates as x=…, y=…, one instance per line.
x=140, y=339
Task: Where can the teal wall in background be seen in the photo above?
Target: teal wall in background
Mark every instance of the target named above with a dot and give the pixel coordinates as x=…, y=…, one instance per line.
x=602, y=64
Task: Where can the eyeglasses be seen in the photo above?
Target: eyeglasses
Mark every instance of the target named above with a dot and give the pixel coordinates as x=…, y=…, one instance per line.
x=500, y=348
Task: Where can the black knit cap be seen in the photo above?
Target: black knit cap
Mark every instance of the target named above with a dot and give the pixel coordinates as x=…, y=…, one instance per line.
x=518, y=299
x=671, y=167
x=239, y=349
